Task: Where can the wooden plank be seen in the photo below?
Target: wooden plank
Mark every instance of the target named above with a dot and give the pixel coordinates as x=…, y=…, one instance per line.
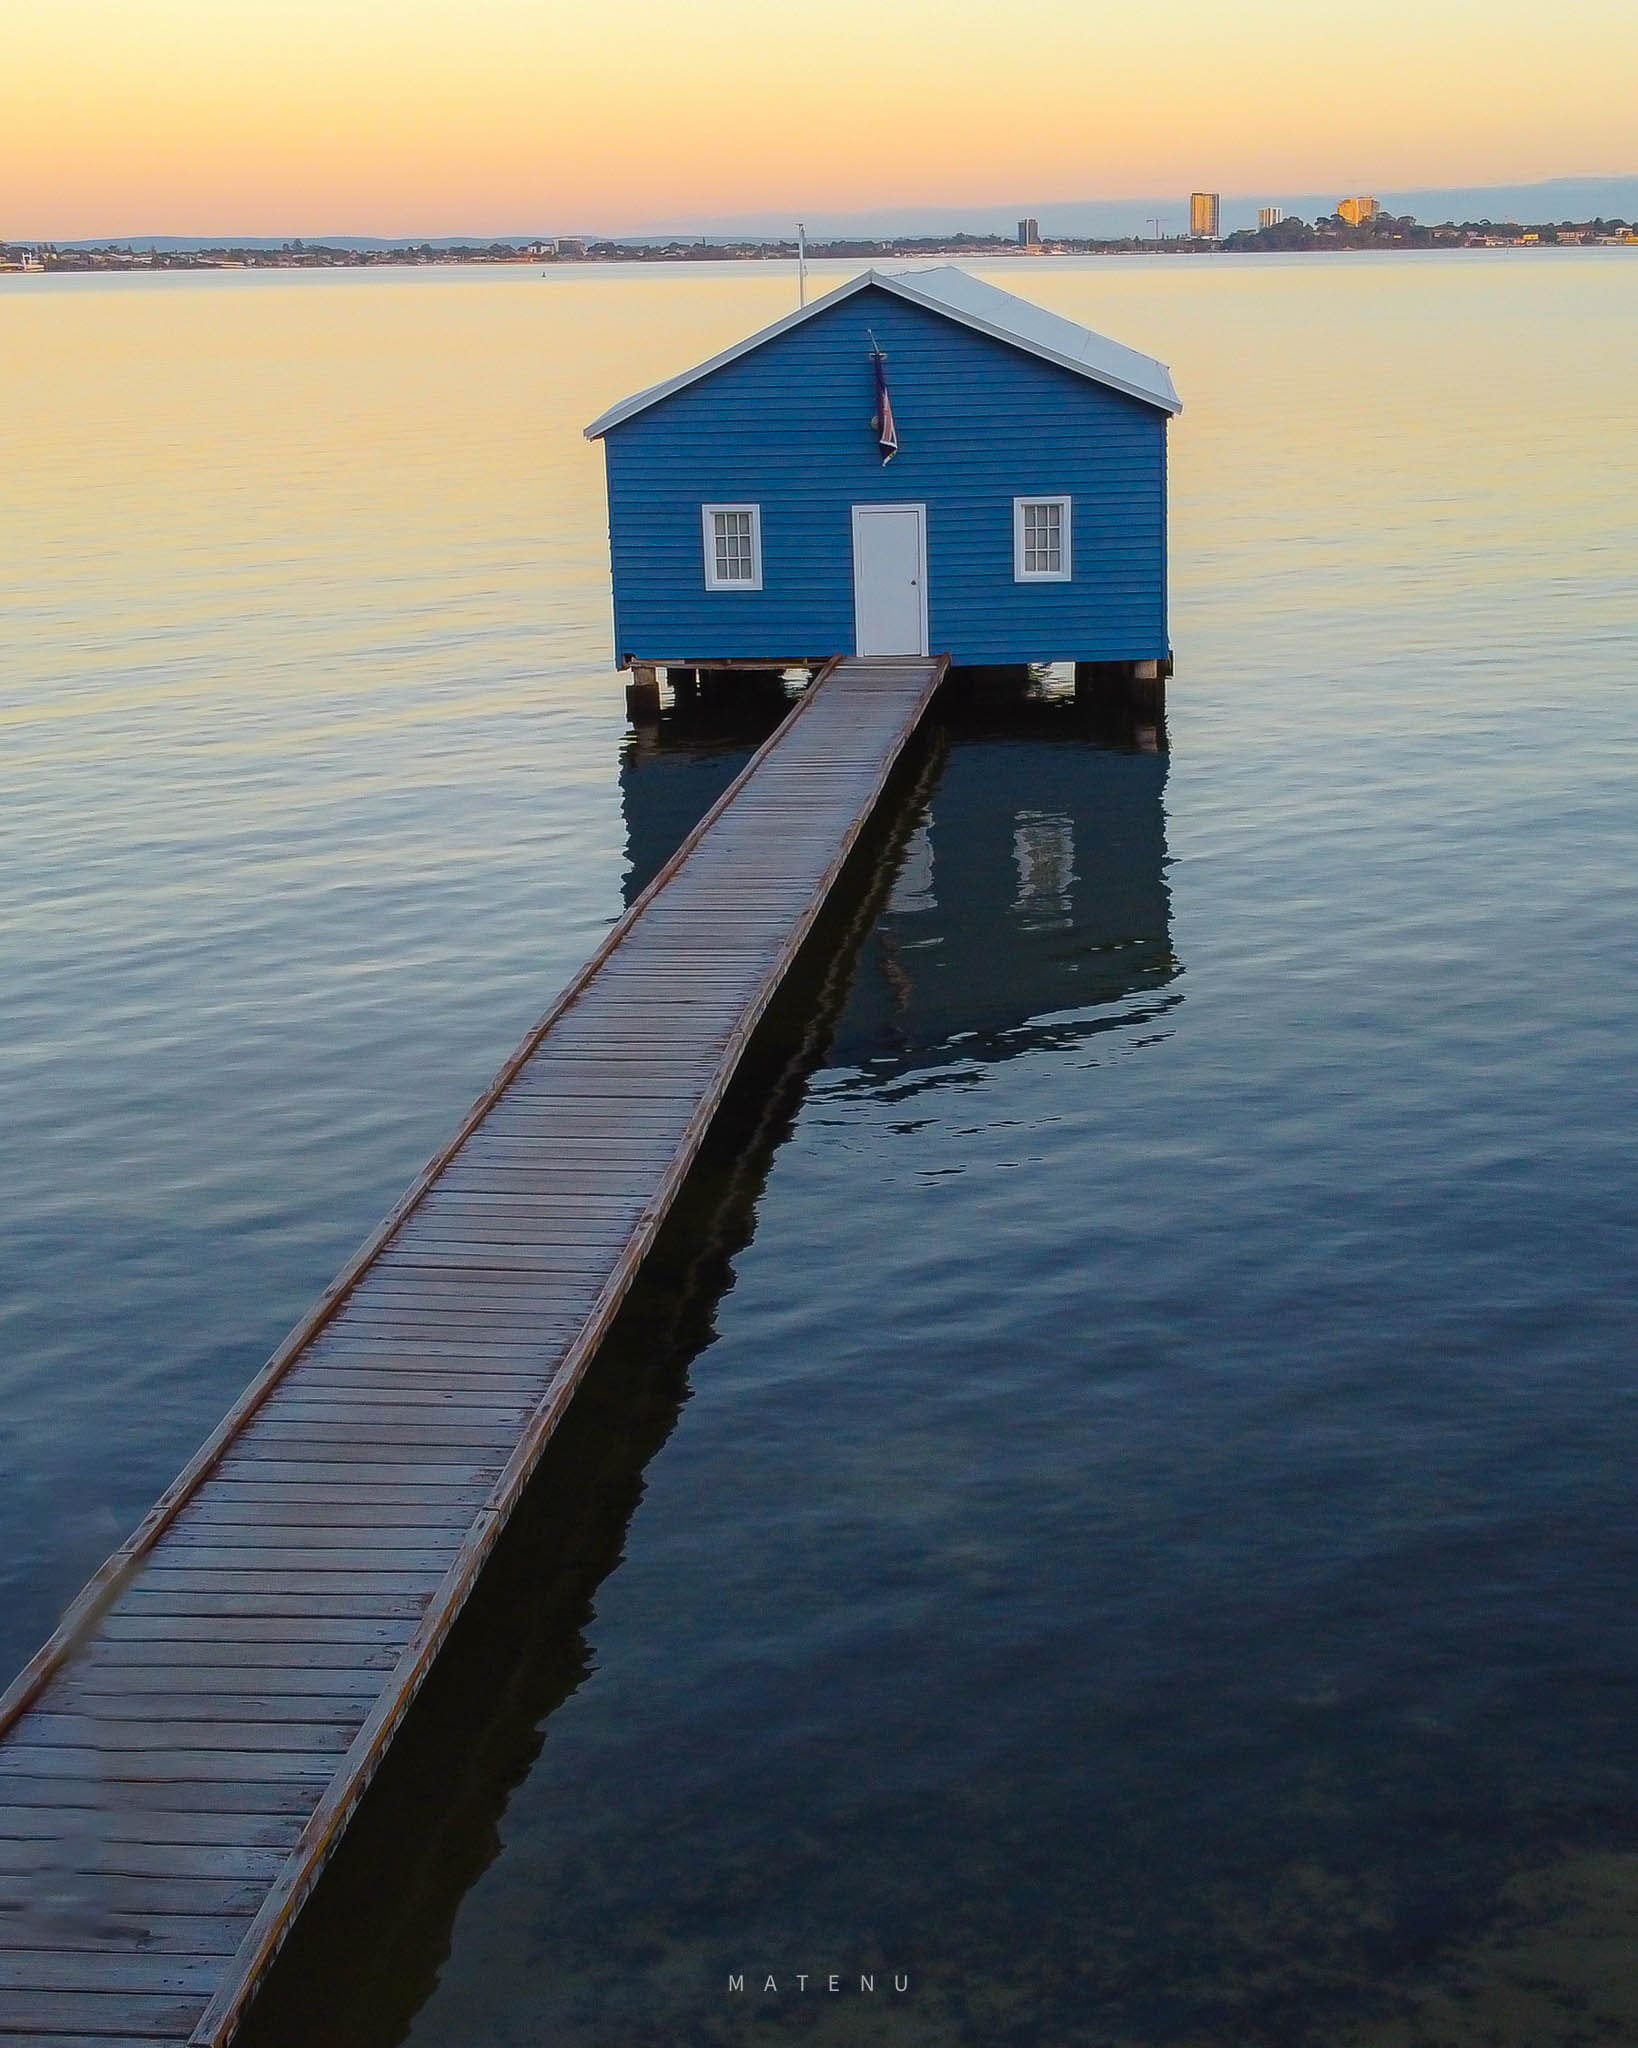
x=393, y=1338
x=418, y=1312
x=580, y=1078
x=467, y=1438
x=466, y=1445
x=589, y=1235
x=232, y=1522
x=572, y=1103
x=395, y=1327
x=123, y=1744
x=570, y=1180
x=123, y=1905
x=350, y=1399
x=82, y=1970
x=586, y=1207
x=429, y=1298
x=144, y=1624
x=326, y=1402
x=291, y=1647
x=537, y=1219
x=13, y=2039
x=180, y=1864
x=253, y=1486
x=352, y=1408
x=121, y=1768
x=165, y=1700
x=438, y=1249
x=371, y=1464
x=584, y=1147
x=600, y=1040
x=237, y=1771
x=130, y=1688
x=100, y=1927
x=394, y=1332
x=142, y=1806
x=378, y=1475
x=427, y=1312
x=299, y=1508
x=115, y=1831
x=107, y=2017
x=389, y=1336
x=559, y=1244
x=400, y=1549
x=578, y=1092
x=269, y=1590
x=307, y=1437
x=432, y=1300
x=167, y=1916
x=422, y=1369
x=580, y=1083
x=286, y=1611
x=526, y=1209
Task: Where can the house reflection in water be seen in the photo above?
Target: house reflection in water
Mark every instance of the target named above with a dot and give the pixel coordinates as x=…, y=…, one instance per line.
x=1030, y=907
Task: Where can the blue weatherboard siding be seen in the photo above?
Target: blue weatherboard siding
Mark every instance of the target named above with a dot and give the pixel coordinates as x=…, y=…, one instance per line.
x=980, y=423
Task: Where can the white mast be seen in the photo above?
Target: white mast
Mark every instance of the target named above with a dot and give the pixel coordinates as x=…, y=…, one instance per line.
x=801, y=264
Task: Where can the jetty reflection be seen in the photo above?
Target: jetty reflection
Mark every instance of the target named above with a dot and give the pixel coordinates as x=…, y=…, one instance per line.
x=1031, y=908
x=1031, y=911
x=1010, y=894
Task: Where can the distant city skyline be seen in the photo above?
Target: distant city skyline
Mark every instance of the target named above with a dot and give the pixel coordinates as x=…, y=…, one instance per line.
x=1563, y=199
x=398, y=117
x=1359, y=222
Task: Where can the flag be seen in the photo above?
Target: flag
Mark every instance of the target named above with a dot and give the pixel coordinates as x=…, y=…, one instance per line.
x=886, y=432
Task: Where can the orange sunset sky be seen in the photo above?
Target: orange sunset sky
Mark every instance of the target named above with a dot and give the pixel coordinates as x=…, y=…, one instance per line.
x=424, y=116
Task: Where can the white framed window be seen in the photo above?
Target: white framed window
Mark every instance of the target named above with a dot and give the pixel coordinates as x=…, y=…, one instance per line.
x=1040, y=540
x=733, y=546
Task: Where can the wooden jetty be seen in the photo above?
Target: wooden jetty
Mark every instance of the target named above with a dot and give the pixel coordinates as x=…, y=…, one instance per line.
x=179, y=1761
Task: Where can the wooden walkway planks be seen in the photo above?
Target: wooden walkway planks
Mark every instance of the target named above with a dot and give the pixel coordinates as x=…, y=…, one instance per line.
x=177, y=1763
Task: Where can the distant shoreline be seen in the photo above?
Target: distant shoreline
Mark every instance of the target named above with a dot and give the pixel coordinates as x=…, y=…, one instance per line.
x=1287, y=237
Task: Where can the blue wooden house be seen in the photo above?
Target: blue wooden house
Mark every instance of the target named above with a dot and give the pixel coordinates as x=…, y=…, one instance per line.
x=916, y=463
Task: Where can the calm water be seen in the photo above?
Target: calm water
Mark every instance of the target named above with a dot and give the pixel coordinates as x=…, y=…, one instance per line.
x=1114, y=1501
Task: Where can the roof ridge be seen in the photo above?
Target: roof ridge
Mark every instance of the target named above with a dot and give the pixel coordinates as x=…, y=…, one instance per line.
x=1054, y=337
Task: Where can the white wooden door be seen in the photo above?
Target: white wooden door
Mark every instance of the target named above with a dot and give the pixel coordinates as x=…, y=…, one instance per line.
x=890, y=579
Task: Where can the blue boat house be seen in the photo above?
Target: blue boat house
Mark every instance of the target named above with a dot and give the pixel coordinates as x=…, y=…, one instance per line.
x=917, y=462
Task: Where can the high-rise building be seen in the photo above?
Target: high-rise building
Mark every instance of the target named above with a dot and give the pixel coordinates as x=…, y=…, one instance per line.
x=1270, y=216
x=1357, y=211
x=1029, y=232
x=1203, y=211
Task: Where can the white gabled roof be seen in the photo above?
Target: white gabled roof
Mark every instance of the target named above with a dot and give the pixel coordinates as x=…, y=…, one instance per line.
x=983, y=307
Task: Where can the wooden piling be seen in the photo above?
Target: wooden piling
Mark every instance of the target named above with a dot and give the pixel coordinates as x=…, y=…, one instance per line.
x=643, y=693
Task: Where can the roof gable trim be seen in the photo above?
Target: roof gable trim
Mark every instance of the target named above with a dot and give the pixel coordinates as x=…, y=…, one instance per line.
x=1156, y=391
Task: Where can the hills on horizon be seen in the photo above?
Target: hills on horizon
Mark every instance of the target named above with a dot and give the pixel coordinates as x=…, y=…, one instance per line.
x=1551, y=199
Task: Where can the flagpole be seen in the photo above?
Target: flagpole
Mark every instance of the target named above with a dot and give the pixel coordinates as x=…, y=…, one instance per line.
x=801, y=264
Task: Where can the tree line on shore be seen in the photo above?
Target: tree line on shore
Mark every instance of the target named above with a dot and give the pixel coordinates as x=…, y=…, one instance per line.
x=1404, y=231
